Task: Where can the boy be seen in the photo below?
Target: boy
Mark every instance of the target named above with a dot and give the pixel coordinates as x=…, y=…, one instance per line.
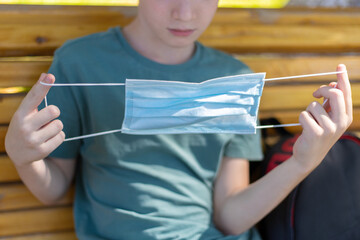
x=186, y=186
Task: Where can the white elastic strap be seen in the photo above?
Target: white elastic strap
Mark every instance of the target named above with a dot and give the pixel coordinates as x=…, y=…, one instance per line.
x=279, y=125
x=304, y=76
x=120, y=130
x=291, y=77
x=92, y=135
x=81, y=84
x=122, y=84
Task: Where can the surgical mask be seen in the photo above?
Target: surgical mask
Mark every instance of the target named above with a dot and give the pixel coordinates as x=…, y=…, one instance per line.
x=221, y=105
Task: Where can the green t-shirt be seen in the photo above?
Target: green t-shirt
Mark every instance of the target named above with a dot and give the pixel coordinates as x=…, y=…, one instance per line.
x=131, y=186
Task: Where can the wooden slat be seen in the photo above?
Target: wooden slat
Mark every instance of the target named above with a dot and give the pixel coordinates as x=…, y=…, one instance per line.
x=36, y=221
x=52, y=26
x=8, y=171
x=291, y=65
x=25, y=71
x=283, y=30
x=8, y=106
x=67, y=15
x=68, y=235
x=3, y=130
x=17, y=196
x=295, y=97
x=22, y=71
x=250, y=39
x=289, y=16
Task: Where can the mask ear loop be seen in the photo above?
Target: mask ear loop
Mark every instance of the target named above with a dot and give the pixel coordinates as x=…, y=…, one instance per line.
x=292, y=77
x=77, y=85
x=83, y=85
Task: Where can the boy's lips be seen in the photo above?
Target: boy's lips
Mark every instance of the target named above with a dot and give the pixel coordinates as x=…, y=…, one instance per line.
x=181, y=32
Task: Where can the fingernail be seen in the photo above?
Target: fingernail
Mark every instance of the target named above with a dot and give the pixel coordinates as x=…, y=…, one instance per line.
x=342, y=66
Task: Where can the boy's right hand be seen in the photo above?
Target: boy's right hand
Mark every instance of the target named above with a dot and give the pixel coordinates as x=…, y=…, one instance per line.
x=32, y=135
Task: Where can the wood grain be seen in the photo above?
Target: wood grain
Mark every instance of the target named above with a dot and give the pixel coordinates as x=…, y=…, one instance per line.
x=8, y=171
x=16, y=196
x=25, y=71
x=41, y=220
x=235, y=31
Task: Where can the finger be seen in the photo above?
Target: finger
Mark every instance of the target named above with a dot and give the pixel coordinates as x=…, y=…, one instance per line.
x=326, y=104
x=344, y=85
x=333, y=84
x=308, y=122
x=44, y=116
x=319, y=115
x=51, y=144
x=37, y=93
x=49, y=131
x=336, y=101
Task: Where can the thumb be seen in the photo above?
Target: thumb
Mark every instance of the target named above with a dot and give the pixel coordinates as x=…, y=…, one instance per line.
x=37, y=93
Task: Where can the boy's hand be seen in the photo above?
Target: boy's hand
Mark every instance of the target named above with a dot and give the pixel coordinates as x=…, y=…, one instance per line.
x=322, y=128
x=33, y=134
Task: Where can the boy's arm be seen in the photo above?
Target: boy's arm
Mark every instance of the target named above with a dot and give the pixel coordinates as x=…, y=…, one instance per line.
x=238, y=209
x=48, y=179
x=32, y=135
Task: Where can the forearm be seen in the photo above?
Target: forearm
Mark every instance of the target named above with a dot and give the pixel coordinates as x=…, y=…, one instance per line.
x=44, y=179
x=244, y=209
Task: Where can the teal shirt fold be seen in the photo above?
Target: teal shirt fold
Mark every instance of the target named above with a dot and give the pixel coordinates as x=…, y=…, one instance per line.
x=136, y=186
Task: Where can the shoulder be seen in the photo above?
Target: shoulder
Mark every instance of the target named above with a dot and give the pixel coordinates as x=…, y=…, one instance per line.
x=85, y=56
x=87, y=44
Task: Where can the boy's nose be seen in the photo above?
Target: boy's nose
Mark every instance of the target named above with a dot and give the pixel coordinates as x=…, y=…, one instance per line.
x=183, y=10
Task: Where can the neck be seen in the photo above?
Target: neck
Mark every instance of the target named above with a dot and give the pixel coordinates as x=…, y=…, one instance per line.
x=150, y=47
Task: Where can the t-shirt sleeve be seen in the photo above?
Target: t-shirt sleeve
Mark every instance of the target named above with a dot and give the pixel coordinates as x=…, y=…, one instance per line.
x=64, y=99
x=247, y=146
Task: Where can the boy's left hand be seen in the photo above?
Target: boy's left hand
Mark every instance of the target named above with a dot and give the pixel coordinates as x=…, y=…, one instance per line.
x=322, y=128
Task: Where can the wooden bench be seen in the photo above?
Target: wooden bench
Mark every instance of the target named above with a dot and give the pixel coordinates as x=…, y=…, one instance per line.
x=279, y=42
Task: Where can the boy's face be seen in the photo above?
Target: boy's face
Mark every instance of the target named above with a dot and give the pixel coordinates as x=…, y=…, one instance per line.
x=176, y=23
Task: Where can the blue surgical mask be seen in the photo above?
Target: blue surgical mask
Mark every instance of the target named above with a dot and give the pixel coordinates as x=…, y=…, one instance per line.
x=221, y=105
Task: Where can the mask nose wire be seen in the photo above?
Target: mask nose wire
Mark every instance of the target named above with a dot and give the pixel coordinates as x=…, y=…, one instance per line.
x=292, y=77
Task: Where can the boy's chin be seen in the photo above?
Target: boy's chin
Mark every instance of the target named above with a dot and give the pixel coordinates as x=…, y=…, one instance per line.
x=182, y=42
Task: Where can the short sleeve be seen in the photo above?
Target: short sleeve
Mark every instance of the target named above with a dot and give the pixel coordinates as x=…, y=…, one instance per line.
x=247, y=146
x=64, y=99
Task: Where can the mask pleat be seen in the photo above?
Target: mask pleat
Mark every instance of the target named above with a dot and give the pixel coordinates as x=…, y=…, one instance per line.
x=224, y=124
